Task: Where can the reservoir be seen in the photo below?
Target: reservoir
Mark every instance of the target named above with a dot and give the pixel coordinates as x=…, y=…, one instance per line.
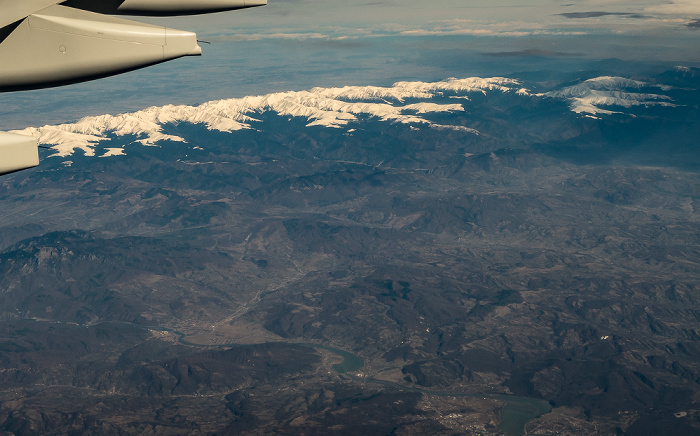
x=516, y=413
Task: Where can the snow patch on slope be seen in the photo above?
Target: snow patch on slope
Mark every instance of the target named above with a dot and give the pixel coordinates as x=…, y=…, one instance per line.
x=326, y=107
x=587, y=97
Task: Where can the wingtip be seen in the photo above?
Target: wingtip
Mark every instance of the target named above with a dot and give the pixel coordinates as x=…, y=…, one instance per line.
x=181, y=43
x=17, y=152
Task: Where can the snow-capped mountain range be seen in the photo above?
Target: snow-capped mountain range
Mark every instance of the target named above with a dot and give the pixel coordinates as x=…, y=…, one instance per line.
x=337, y=108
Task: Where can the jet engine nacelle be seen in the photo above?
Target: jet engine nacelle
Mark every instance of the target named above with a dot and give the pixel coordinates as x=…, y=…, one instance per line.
x=61, y=45
x=17, y=152
x=46, y=43
x=162, y=7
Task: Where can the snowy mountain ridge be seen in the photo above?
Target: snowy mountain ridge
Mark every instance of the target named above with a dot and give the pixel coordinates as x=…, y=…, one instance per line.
x=334, y=108
x=587, y=96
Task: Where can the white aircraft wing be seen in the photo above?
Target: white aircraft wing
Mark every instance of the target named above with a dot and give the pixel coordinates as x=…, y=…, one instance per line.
x=12, y=11
x=47, y=43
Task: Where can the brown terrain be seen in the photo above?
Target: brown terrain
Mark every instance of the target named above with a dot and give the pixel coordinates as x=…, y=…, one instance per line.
x=545, y=278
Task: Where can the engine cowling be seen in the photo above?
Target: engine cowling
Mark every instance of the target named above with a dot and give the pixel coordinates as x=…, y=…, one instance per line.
x=162, y=7
x=17, y=152
x=61, y=45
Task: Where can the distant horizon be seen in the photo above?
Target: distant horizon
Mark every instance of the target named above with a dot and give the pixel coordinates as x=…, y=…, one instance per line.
x=296, y=45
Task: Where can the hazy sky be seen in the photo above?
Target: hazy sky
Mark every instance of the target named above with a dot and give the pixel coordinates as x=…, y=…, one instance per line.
x=643, y=29
x=349, y=18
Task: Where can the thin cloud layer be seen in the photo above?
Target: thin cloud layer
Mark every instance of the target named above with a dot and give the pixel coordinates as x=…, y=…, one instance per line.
x=260, y=36
x=531, y=52
x=597, y=14
x=675, y=8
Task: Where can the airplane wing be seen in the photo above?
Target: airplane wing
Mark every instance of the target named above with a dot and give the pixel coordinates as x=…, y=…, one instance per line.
x=49, y=43
x=46, y=43
x=17, y=152
x=13, y=10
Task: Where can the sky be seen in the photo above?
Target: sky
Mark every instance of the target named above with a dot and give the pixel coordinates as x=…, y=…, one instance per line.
x=506, y=18
x=299, y=44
